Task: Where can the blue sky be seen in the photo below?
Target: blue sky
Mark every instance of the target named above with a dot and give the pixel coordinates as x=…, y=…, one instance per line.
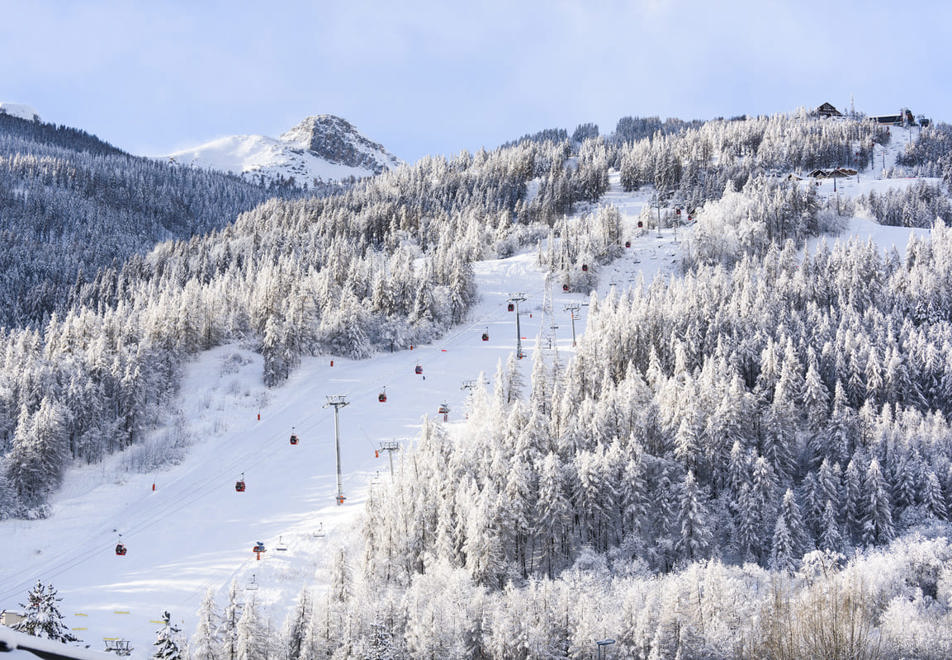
x=439, y=77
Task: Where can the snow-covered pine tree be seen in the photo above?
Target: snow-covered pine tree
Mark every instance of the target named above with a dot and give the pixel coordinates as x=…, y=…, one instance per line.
x=251, y=639
x=340, y=588
x=693, y=520
x=932, y=497
x=553, y=514
x=877, y=512
x=299, y=620
x=206, y=642
x=789, y=539
x=853, y=505
x=815, y=397
x=39, y=452
x=43, y=618
x=228, y=627
x=830, y=537
x=167, y=640
x=382, y=646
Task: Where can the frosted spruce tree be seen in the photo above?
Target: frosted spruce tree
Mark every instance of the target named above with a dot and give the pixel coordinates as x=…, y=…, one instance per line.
x=693, y=519
x=298, y=622
x=251, y=638
x=206, y=642
x=877, y=515
x=43, y=618
x=167, y=640
x=228, y=626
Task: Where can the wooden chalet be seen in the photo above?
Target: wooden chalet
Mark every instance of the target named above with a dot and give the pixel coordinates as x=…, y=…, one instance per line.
x=828, y=110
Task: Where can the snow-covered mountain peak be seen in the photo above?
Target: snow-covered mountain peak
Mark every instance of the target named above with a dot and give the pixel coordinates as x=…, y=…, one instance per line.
x=20, y=110
x=320, y=148
x=337, y=141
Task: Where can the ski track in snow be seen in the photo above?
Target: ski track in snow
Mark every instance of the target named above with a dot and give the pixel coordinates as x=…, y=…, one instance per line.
x=194, y=531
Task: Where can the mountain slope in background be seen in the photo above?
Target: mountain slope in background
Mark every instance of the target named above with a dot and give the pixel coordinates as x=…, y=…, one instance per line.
x=72, y=205
x=19, y=110
x=321, y=148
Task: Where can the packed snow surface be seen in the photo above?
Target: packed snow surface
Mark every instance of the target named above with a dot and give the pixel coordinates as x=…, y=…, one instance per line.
x=186, y=527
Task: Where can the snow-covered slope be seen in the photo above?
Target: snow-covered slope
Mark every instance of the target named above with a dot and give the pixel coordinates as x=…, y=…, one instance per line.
x=20, y=110
x=194, y=531
x=321, y=148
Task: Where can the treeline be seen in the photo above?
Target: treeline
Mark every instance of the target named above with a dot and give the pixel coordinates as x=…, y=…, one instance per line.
x=880, y=604
x=916, y=206
x=930, y=154
x=696, y=165
x=765, y=213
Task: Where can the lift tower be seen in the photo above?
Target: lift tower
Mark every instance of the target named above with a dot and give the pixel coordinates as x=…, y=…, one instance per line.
x=338, y=401
x=516, y=298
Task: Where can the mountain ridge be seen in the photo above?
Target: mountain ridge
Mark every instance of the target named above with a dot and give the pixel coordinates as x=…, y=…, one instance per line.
x=319, y=149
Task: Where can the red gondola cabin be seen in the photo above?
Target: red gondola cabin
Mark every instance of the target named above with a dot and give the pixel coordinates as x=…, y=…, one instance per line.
x=418, y=370
x=584, y=268
x=627, y=244
x=120, y=549
x=239, y=486
x=294, y=439
x=511, y=307
x=485, y=336
x=565, y=287
x=382, y=397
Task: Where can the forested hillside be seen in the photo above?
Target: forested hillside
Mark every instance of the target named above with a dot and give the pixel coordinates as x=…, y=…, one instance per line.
x=382, y=265
x=72, y=205
x=693, y=481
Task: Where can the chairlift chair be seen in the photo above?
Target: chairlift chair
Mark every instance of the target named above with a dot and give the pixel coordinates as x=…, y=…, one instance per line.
x=319, y=532
x=120, y=647
x=253, y=584
x=281, y=547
